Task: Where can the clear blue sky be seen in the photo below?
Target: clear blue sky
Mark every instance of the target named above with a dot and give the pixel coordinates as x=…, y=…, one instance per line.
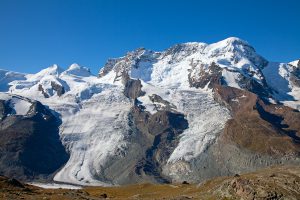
x=36, y=34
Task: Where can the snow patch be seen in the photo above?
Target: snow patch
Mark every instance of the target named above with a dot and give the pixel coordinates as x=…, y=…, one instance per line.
x=55, y=186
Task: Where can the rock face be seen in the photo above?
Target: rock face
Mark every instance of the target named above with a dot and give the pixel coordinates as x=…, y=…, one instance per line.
x=209, y=77
x=133, y=88
x=260, y=127
x=161, y=130
x=295, y=75
x=164, y=129
x=58, y=88
x=29, y=143
x=189, y=113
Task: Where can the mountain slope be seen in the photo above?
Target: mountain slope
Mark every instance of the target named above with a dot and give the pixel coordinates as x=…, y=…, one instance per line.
x=29, y=140
x=191, y=112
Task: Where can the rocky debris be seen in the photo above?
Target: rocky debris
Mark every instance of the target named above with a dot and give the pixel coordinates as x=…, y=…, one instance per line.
x=259, y=185
x=30, y=144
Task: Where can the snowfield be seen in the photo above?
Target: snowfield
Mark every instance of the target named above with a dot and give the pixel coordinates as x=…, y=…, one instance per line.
x=278, y=78
x=19, y=105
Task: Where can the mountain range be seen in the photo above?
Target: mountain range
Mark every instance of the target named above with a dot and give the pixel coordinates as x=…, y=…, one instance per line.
x=189, y=113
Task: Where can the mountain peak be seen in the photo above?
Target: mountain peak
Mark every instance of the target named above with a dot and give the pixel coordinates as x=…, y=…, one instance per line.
x=74, y=66
x=295, y=63
x=232, y=40
x=54, y=70
x=230, y=44
x=78, y=70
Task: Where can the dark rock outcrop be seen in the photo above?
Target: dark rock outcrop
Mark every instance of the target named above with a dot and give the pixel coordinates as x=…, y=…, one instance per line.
x=164, y=127
x=252, y=85
x=210, y=76
x=258, y=126
x=295, y=75
x=133, y=88
x=40, y=88
x=160, y=130
x=30, y=145
x=60, y=90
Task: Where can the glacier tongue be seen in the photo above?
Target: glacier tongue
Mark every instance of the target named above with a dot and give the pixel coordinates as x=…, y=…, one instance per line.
x=93, y=135
x=94, y=120
x=205, y=123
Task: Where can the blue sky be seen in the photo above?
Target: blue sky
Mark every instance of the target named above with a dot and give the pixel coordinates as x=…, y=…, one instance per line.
x=37, y=34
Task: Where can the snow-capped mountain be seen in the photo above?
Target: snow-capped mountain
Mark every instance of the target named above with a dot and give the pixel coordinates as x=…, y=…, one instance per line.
x=168, y=116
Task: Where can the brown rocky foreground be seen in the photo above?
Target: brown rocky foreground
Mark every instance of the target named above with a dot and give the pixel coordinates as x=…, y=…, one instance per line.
x=280, y=182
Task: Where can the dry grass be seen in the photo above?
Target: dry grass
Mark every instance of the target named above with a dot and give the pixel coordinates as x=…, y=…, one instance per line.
x=273, y=183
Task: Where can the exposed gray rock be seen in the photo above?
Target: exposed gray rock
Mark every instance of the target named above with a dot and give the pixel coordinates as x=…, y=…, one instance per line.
x=40, y=88
x=123, y=65
x=4, y=109
x=108, y=66
x=252, y=85
x=30, y=145
x=159, y=132
x=58, y=88
x=133, y=88
x=166, y=105
x=164, y=127
x=295, y=75
x=205, y=76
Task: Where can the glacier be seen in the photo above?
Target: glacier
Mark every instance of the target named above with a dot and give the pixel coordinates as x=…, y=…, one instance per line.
x=94, y=110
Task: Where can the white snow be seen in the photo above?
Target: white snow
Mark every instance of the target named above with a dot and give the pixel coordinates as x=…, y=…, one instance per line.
x=93, y=135
x=277, y=76
x=230, y=78
x=19, y=105
x=94, y=119
x=5, y=96
x=55, y=185
x=295, y=63
x=77, y=70
x=205, y=123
